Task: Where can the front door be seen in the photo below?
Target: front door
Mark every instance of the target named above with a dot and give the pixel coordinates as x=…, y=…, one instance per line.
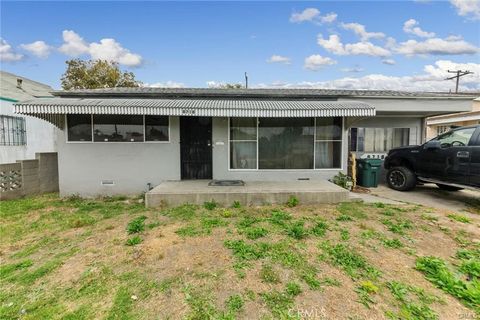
x=196, y=147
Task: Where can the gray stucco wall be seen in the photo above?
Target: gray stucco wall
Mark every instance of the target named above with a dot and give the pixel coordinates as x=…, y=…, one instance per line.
x=41, y=137
x=130, y=166
x=221, y=165
x=83, y=166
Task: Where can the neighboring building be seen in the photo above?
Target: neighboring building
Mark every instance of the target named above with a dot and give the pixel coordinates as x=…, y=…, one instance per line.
x=22, y=136
x=125, y=140
x=440, y=124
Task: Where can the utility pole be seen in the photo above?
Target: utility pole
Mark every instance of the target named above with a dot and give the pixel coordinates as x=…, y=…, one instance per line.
x=459, y=73
x=246, y=80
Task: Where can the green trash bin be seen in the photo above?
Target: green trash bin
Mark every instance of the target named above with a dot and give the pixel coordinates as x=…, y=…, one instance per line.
x=368, y=172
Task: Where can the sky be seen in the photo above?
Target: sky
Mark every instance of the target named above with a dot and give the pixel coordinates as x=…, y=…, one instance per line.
x=395, y=45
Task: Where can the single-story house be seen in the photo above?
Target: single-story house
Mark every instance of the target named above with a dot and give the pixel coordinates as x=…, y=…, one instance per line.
x=126, y=140
x=21, y=137
x=440, y=124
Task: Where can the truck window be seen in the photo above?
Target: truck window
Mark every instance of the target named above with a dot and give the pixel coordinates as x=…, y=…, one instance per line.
x=456, y=138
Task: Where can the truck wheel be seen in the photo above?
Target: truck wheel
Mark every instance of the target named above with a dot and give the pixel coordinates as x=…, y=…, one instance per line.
x=401, y=179
x=448, y=188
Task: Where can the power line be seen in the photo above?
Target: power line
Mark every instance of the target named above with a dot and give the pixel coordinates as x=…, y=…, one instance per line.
x=459, y=73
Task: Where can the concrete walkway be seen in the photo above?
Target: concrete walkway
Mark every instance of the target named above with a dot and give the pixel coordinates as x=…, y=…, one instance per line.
x=428, y=195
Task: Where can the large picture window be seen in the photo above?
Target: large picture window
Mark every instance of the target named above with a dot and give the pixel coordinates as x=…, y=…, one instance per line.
x=285, y=143
x=378, y=139
x=117, y=128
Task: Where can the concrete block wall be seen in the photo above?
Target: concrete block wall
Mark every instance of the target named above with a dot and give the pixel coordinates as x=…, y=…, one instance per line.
x=29, y=177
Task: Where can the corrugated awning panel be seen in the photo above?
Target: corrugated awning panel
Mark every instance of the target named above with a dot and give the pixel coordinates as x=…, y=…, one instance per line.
x=195, y=107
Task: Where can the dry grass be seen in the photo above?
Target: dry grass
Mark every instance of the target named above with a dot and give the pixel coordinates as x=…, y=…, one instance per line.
x=112, y=258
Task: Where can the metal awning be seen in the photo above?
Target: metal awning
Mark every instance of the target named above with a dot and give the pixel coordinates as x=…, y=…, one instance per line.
x=53, y=109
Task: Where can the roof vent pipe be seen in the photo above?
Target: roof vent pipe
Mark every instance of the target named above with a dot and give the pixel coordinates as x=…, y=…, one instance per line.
x=19, y=83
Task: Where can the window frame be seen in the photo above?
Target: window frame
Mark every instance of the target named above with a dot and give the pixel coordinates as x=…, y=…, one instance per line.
x=383, y=128
x=117, y=142
x=18, y=139
x=342, y=151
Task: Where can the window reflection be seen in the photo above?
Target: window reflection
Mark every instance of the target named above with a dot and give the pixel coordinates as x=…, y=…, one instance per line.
x=117, y=128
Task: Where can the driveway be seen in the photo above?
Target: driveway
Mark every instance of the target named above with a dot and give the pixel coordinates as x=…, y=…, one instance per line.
x=428, y=195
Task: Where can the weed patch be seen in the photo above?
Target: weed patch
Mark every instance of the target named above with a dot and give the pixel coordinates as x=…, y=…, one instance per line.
x=346, y=258
x=459, y=218
x=437, y=272
x=133, y=241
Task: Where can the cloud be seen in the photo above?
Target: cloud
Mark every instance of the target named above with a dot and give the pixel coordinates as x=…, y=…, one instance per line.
x=352, y=70
x=7, y=53
x=312, y=15
x=467, y=8
x=360, y=31
x=167, y=84
x=329, y=17
x=111, y=50
x=279, y=59
x=411, y=26
x=334, y=45
x=436, y=46
x=107, y=49
x=315, y=62
x=73, y=45
x=38, y=48
x=432, y=79
x=390, y=62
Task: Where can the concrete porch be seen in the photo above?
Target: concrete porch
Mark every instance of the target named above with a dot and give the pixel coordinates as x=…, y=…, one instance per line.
x=174, y=193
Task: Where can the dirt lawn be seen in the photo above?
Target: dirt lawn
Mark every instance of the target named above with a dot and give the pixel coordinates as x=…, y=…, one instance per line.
x=111, y=258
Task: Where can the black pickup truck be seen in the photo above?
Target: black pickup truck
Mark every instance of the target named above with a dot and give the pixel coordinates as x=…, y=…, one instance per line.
x=451, y=160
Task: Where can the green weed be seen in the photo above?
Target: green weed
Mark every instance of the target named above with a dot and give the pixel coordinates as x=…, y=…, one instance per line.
x=459, y=218
x=437, y=272
x=133, y=241
x=268, y=275
x=319, y=229
x=210, y=205
x=292, y=201
x=136, y=225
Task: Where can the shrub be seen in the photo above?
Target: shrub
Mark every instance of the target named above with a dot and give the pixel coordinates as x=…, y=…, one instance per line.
x=136, y=225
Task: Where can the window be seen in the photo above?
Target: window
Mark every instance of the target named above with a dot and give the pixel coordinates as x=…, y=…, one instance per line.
x=457, y=138
x=79, y=127
x=12, y=131
x=328, y=143
x=378, y=139
x=243, y=143
x=442, y=129
x=156, y=128
x=117, y=128
x=285, y=143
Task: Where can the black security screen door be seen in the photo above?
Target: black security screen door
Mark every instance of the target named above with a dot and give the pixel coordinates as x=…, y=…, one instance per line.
x=196, y=147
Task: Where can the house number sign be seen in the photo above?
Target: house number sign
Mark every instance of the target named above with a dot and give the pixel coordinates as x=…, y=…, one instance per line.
x=188, y=111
